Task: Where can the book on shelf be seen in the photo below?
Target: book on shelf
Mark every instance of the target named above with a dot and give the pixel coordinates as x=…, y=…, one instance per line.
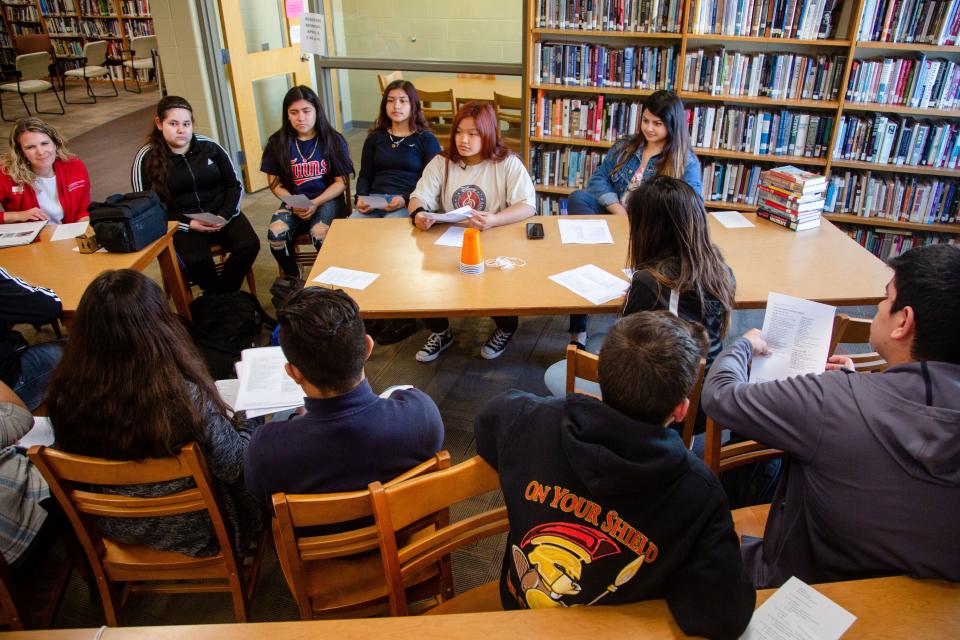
x=57, y=6
x=897, y=198
x=791, y=197
x=804, y=19
x=552, y=205
x=583, y=64
x=642, y=16
x=731, y=182
x=759, y=131
x=886, y=243
x=800, y=181
x=101, y=27
x=910, y=21
x=135, y=7
x=892, y=140
x=789, y=201
x=780, y=76
x=22, y=13
x=97, y=7
x=554, y=166
x=588, y=118
x=924, y=83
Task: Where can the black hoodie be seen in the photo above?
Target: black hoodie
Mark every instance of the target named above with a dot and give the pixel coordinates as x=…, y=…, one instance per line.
x=608, y=510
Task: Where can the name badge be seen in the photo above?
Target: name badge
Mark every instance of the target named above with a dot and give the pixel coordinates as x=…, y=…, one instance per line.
x=18, y=188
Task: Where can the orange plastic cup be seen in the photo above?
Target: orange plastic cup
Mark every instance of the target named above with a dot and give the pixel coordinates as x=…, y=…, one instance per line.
x=470, y=253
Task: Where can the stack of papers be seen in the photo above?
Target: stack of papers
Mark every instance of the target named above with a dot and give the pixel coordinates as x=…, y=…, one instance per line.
x=69, y=231
x=263, y=386
x=797, y=611
x=17, y=233
x=584, y=232
x=592, y=283
x=346, y=278
x=798, y=333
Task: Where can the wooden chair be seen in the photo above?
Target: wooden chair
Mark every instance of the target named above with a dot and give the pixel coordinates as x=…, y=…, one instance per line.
x=303, y=249
x=142, y=57
x=30, y=77
x=115, y=563
x=339, y=574
x=730, y=456
x=440, y=118
x=422, y=505
x=848, y=330
x=387, y=78
x=510, y=112
x=93, y=65
x=583, y=364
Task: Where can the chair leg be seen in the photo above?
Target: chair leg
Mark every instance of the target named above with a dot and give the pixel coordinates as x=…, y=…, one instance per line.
x=62, y=111
x=89, y=93
x=25, y=103
x=133, y=73
x=2, y=115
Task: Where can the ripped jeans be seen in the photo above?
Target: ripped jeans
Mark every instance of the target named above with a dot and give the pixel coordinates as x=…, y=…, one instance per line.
x=286, y=226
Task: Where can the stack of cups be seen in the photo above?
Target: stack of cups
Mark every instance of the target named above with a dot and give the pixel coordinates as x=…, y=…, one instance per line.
x=471, y=259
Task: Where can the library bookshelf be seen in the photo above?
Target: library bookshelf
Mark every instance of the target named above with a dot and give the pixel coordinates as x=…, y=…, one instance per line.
x=670, y=38
x=70, y=24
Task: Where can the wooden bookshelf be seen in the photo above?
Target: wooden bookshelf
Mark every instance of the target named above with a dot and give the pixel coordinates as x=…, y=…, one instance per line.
x=844, y=43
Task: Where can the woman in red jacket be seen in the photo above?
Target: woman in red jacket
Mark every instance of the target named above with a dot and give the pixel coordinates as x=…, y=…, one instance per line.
x=40, y=179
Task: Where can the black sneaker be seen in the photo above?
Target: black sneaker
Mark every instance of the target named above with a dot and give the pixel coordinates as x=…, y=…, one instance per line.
x=434, y=346
x=496, y=344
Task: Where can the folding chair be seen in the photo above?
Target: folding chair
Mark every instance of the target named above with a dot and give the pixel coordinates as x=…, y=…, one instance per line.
x=94, y=65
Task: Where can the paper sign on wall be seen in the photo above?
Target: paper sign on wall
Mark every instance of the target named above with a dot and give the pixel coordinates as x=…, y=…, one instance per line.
x=294, y=8
x=313, y=34
x=294, y=34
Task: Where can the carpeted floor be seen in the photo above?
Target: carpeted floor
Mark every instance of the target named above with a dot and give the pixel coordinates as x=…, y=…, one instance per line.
x=108, y=151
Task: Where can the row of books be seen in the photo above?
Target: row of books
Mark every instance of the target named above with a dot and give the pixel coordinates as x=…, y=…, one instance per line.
x=552, y=205
x=897, y=141
x=97, y=7
x=791, y=197
x=922, y=83
x=783, y=76
x=886, y=243
x=101, y=27
x=22, y=29
x=63, y=47
x=595, y=118
x=760, y=131
x=913, y=21
x=806, y=19
x=25, y=13
x=63, y=26
x=731, y=181
x=898, y=198
x=595, y=65
x=137, y=28
x=554, y=166
x=135, y=7
x=642, y=16
x=57, y=6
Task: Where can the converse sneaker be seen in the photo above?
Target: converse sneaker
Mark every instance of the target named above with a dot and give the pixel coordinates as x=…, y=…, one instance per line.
x=434, y=346
x=496, y=344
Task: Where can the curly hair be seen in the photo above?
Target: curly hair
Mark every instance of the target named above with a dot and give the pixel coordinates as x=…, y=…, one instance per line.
x=15, y=164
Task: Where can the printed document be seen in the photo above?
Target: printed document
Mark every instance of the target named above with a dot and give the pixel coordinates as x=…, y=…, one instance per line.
x=17, y=233
x=584, y=232
x=264, y=383
x=592, y=282
x=798, y=333
x=297, y=201
x=374, y=200
x=209, y=218
x=41, y=433
x=69, y=231
x=731, y=219
x=348, y=278
x=457, y=215
x=797, y=611
x=452, y=237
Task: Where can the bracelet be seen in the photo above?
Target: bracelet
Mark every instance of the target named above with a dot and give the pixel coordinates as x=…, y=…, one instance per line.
x=413, y=214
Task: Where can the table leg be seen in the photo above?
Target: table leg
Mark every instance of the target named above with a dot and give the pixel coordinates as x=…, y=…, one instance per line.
x=173, y=279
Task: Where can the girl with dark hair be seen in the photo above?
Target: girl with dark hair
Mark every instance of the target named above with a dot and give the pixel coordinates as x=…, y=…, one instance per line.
x=480, y=172
x=40, y=179
x=399, y=146
x=130, y=386
x=192, y=174
x=305, y=156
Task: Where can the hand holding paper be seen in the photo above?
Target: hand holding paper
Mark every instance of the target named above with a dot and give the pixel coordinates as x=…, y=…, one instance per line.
x=797, y=334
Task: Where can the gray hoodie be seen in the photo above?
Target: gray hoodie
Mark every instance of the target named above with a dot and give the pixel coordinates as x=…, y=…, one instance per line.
x=872, y=482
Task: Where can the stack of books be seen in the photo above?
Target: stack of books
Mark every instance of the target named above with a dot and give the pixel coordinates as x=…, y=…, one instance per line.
x=791, y=197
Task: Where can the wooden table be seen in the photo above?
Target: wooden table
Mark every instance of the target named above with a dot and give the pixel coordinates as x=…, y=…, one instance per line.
x=471, y=88
x=420, y=279
x=895, y=607
x=56, y=266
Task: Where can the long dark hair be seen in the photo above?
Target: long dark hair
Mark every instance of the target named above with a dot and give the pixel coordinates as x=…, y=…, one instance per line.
x=667, y=106
x=670, y=239
x=122, y=387
x=156, y=159
x=417, y=120
x=331, y=143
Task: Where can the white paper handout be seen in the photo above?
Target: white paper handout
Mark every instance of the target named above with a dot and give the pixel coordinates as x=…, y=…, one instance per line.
x=798, y=333
x=592, y=282
x=209, y=218
x=797, y=611
x=349, y=278
x=100, y=250
x=584, y=232
x=41, y=433
x=17, y=233
x=457, y=215
x=264, y=384
x=69, y=231
x=452, y=237
x=297, y=201
x=374, y=200
x=229, y=389
x=731, y=219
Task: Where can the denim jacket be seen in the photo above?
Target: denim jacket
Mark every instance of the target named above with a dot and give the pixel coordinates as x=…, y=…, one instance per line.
x=609, y=186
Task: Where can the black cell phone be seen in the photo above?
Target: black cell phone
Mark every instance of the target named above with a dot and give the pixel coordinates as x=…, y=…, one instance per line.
x=534, y=231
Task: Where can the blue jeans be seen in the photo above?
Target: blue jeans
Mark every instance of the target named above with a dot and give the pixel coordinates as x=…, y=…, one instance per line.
x=584, y=203
x=380, y=213
x=286, y=226
x=36, y=365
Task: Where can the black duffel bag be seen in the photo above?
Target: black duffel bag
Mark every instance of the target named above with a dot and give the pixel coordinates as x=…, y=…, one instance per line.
x=128, y=222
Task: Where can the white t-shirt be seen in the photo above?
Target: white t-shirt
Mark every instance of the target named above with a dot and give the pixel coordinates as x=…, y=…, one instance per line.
x=47, y=198
x=487, y=186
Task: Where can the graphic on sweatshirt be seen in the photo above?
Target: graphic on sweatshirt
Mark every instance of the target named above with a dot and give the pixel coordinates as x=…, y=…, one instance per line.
x=470, y=195
x=307, y=171
x=552, y=557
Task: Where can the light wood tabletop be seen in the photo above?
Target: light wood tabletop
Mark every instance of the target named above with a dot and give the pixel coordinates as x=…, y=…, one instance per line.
x=471, y=88
x=886, y=608
x=420, y=279
x=57, y=266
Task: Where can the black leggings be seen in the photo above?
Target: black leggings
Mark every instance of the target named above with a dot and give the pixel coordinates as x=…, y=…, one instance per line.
x=193, y=250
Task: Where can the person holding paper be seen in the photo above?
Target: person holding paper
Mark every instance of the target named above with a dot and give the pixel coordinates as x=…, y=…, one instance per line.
x=606, y=506
x=131, y=385
x=40, y=179
x=192, y=175
x=349, y=436
x=661, y=148
x=398, y=147
x=305, y=157
x=479, y=172
x=872, y=480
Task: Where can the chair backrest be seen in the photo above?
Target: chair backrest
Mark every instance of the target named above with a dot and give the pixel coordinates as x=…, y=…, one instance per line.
x=508, y=108
x=723, y=458
x=431, y=98
x=848, y=330
x=143, y=46
x=95, y=52
x=690, y=422
x=34, y=66
x=293, y=512
x=70, y=478
x=387, y=78
x=580, y=364
x=32, y=43
x=422, y=504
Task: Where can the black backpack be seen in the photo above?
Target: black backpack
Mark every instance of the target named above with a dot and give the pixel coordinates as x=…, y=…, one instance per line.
x=126, y=223
x=224, y=324
x=282, y=287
